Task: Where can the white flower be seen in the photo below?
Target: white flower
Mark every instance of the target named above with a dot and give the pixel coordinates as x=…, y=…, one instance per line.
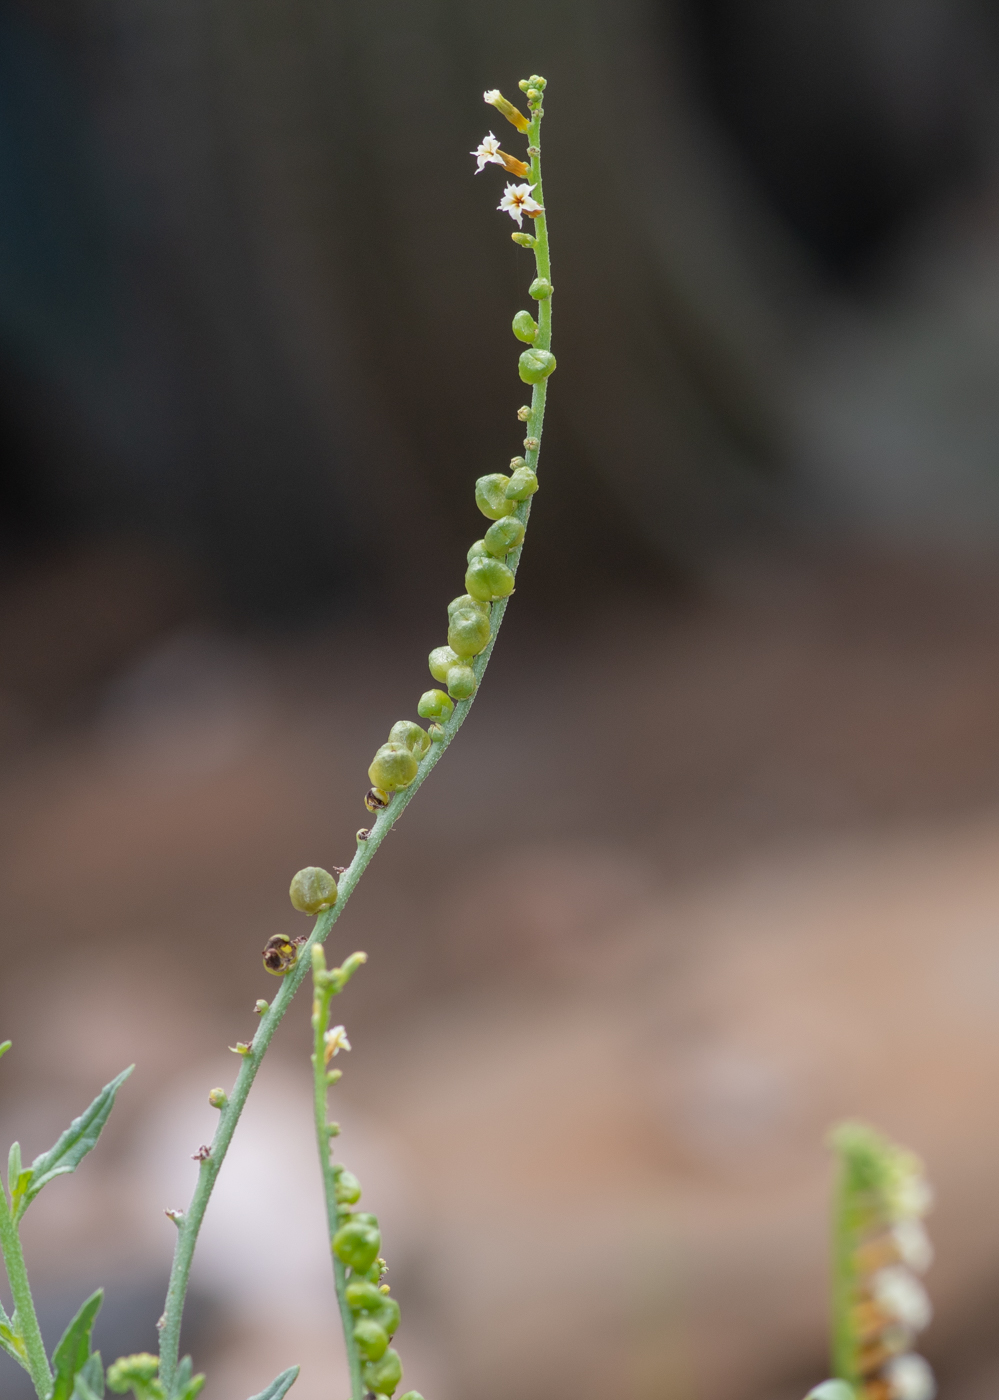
x=909, y=1378
x=517, y=202
x=913, y=1244
x=487, y=152
x=902, y=1296
x=334, y=1040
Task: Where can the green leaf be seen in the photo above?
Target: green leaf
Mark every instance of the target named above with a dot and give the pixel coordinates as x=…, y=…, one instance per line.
x=89, y=1383
x=73, y=1352
x=71, y=1148
x=186, y=1386
x=5, y=1047
x=11, y=1341
x=279, y=1387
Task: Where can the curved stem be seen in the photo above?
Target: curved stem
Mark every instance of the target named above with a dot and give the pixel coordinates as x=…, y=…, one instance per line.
x=27, y=1319
x=190, y=1224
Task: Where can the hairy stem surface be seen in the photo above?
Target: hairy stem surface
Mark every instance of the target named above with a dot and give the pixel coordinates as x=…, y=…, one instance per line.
x=190, y=1224
x=27, y=1318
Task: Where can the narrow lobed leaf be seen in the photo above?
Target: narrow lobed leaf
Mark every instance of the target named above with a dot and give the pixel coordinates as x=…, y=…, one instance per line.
x=73, y=1145
x=11, y=1341
x=73, y=1352
x=186, y=1386
x=89, y=1382
x=280, y=1386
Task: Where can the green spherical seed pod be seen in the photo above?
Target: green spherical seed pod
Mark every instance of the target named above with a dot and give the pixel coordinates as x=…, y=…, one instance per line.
x=372, y=1340
x=535, y=365
x=465, y=603
x=357, y=1245
x=366, y=1218
x=393, y=767
x=312, y=890
x=540, y=288
x=523, y=483
x=411, y=1395
x=525, y=327
x=383, y=1376
x=490, y=494
x=504, y=535
x=467, y=635
x=408, y=732
x=363, y=1296
x=461, y=682
x=474, y=550
x=386, y=1314
x=348, y=1188
x=441, y=661
x=434, y=704
x=488, y=578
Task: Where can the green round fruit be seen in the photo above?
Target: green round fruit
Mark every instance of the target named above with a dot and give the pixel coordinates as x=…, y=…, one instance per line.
x=356, y=1245
x=383, y=1376
x=313, y=890
x=394, y=766
x=479, y=547
x=465, y=603
x=363, y=1296
x=408, y=732
x=523, y=483
x=434, y=704
x=348, y=1188
x=504, y=535
x=490, y=493
x=372, y=1340
x=525, y=327
x=467, y=635
x=441, y=660
x=461, y=682
x=487, y=578
x=535, y=365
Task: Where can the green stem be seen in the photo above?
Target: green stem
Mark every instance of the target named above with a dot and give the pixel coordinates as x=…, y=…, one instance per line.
x=320, y=1021
x=190, y=1224
x=844, y=1349
x=27, y=1319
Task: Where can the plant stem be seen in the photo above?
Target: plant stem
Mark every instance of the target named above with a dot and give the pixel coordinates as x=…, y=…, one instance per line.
x=320, y=1023
x=844, y=1344
x=27, y=1318
x=190, y=1224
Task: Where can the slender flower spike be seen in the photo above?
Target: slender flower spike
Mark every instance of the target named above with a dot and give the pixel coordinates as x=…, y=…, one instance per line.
x=334, y=1041
x=513, y=115
x=517, y=201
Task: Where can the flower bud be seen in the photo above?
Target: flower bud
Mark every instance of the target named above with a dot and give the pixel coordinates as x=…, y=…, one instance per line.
x=383, y=1376
x=489, y=579
x=129, y=1372
x=357, y=1244
x=524, y=412
x=408, y=732
x=523, y=483
x=348, y=1188
x=441, y=661
x=479, y=547
x=393, y=767
x=312, y=890
x=531, y=444
x=540, y=288
x=513, y=115
x=467, y=635
x=526, y=240
x=436, y=732
x=372, y=1340
x=504, y=535
x=490, y=495
x=461, y=682
x=465, y=603
x=363, y=1296
x=218, y=1098
x=535, y=365
x=525, y=327
x=434, y=704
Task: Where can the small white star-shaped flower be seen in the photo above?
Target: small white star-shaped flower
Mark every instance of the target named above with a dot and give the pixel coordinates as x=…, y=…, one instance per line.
x=488, y=152
x=334, y=1041
x=517, y=202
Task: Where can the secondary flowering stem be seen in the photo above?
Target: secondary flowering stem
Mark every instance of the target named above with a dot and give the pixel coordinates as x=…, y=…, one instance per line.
x=190, y=1223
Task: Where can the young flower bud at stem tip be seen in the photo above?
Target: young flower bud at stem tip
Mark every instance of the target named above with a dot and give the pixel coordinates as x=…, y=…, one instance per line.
x=526, y=240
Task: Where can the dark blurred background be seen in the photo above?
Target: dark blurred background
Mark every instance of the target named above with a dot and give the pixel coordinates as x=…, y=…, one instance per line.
x=713, y=863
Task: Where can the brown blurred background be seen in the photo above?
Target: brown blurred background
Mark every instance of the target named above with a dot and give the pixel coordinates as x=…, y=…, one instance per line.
x=714, y=861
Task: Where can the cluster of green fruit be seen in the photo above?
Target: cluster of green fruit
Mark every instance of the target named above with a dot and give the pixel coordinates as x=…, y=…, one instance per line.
x=376, y=1314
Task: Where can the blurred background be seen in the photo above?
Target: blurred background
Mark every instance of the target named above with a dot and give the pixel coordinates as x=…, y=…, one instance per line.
x=714, y=861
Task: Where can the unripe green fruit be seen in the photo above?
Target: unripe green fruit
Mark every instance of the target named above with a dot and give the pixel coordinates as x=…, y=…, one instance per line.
x=461, y=682
x=535, y=365
x=441, y=661
x=312, y=890
x=504, y=535
x=386, y=1314
x=434, y=704
x=467, y=635
x=479, y=547
x=356, y=1245
x=523, y=483
x=366, y=1218
x=372, y=1340
x=540, y=288
x=411, y=1395
x=487, y=578
x=525, y=327
x=348, y=1188
x=466, y=603
x=490, y=495
x=408, y=732
x=383, y=1376
x=393, y=767
x=363, y=1296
